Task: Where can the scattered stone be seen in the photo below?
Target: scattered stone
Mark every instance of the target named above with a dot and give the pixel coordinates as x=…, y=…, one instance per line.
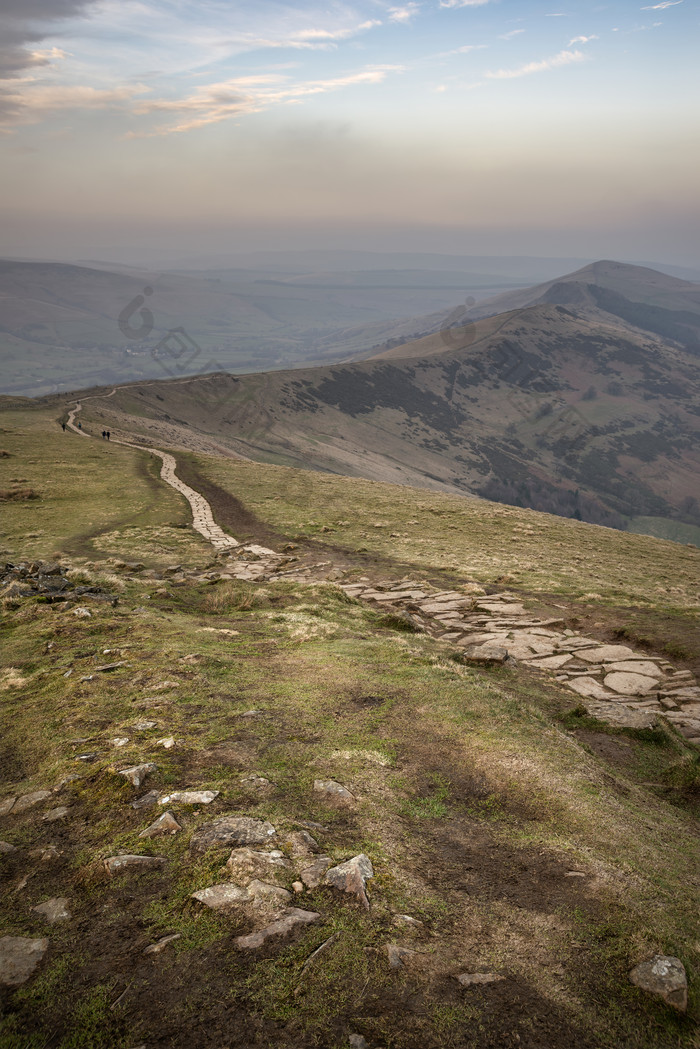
x=6, y=848
x=27, y=801
x=222, y=897
x=356, y=1041
x=298, y=886
x=6, y=805
x=117, y=864
x=190, y=797
x=147, y=801
x=351, y=877
x=313, y=875
x=232, y=830
x=167, y=742
x=87, y=757
x=165, y=824
x=333, y=791
x=119, y=741
x=257, y=782
x=110, y=666
x=55, y=910
x=406, y=920
x=59, y=813
x=245, y=862
x=292, y=919
x=665, y=976
x=19, y=958
x=398, y=956
x=143, y=726
x=81, y=612
x=474, y=979
x=137, y=774
x=160, y=945
x=301, y=843
x=487, y=654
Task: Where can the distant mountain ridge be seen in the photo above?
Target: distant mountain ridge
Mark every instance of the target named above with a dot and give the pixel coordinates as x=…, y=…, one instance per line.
x=576, y=409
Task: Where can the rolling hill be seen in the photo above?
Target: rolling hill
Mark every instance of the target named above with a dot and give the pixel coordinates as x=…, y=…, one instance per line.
x=571, y=409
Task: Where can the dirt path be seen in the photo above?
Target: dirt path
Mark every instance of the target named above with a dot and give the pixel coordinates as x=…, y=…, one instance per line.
x=614, y=683
x=202, y=517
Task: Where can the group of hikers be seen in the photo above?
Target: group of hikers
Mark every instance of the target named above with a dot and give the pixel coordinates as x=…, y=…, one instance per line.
x=105, y=433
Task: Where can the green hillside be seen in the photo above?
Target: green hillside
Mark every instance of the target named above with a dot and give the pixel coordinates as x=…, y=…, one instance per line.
x=514, y=840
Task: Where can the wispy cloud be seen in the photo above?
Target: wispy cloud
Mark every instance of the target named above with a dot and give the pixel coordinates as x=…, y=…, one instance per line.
x=564, y=58
x=212, y=103
x=662, y=6
x=464, y=3
x=303, y=39
x=34, y=101
x=404, y=14
x=582, y=40
x=511, y=34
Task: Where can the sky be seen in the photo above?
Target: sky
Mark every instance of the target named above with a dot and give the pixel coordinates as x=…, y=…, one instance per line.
x=144, y=131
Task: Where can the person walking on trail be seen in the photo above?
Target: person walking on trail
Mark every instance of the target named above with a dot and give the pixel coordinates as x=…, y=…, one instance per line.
x=63, y=427
x=104, y=434
x=107, y=432
x=80, y=426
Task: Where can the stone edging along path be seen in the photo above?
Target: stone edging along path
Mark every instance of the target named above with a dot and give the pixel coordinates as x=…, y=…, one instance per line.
x=615, y=684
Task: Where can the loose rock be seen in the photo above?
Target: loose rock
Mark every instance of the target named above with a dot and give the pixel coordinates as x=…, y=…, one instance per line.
x=27, y=801
x=313, y=875
x=282, y=927
x=55, y=910
x=351, y=877
x=665, y=976
x=232, y=830
x=137, y=774
x=190, y=797
x=165, y=824
x=118, y=864
x=19, y=958
x=333, y=791
x=160, y=945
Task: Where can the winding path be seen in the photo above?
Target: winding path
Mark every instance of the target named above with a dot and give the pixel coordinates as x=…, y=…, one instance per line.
x=202, y=517
x=614, y=683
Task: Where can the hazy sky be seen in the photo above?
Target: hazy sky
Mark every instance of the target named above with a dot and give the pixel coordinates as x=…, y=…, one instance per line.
x=149, y=129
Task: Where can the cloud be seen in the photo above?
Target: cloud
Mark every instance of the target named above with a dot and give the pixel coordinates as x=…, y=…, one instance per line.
x=463, y=3
x=513, y=32
x=582, y=40
x=403, y=14
x=212, y=103
x=304, y=39
x=36, y=100
x=25, y=23
x=662, y=6
x=564, y=58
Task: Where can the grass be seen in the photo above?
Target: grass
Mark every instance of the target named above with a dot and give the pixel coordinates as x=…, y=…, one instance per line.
x=486, y=542
x=477, y=791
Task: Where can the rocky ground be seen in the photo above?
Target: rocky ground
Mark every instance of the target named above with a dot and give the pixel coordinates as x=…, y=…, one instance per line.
x=270, y=800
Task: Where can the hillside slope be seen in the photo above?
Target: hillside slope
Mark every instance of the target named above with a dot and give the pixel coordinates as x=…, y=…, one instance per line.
x=573, y=412
x=520, y=859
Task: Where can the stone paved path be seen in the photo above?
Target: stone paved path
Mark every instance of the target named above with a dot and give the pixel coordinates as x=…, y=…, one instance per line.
x=615, y=684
